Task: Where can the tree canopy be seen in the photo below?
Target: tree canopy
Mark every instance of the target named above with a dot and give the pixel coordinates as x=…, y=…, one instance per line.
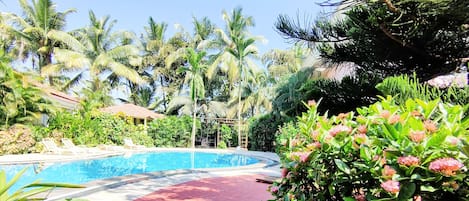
x=429, y=37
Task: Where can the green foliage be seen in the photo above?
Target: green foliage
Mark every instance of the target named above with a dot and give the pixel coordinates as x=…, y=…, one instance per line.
x=335, y=96
x=390, y=37
x=263, y=130
x=171, y=131
x=404, y=87
x=93, y=128
x=417, y=150
x=226, y=133
x=20, y=102
x=17, y=139
x=28, y=192
x=222, y=145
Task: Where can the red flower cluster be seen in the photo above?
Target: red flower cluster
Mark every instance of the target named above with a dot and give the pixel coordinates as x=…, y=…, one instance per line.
x=388, y=171
x=408, y=161
x=391, y=186
x=338, y=129
x=446, y=166
x=417, y=136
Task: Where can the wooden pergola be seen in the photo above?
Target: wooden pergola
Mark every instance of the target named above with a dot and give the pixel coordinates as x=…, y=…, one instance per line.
x=230, y=122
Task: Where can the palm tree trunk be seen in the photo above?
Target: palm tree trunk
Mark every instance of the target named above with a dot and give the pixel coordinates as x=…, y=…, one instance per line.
x=194, y=116
x=239, y=101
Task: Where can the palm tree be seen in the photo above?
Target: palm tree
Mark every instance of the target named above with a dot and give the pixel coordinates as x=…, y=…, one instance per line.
x=282, y=63
x=240, y=46
x=41, y=23
x=20, y=101
x=94, y=50
x=158, y=51
x=194, y=77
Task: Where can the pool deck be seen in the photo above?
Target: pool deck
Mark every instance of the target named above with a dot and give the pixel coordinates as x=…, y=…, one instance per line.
x=199, y=184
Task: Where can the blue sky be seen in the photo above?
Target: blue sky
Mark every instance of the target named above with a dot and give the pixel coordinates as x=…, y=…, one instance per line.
x=133, y=15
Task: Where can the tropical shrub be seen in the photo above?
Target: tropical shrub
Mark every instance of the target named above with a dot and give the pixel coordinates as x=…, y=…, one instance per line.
x=262, y=132
x=17, y=139
x=171, y=131
x=20, y=101
x=226, y=135
x=404, y=87
x=418, y=150
x=93, y=128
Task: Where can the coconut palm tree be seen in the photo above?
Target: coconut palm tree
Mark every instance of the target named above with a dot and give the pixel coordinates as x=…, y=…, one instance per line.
x=194, y=77
x=237, y=47
x=41, y=23
x=157, y=51
x=94, y=50
x=282, y=63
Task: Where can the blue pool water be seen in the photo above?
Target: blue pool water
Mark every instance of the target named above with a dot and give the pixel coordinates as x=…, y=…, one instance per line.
x=79, y=172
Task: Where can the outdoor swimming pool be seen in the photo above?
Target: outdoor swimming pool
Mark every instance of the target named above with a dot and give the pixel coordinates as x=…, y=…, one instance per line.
x=79, y=172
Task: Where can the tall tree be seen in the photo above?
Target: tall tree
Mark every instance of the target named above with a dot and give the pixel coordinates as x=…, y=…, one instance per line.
x=240, y=46
x=41, y=22
x=157, y=52
x=390, y=37
x=94, y=50
x=194, y=77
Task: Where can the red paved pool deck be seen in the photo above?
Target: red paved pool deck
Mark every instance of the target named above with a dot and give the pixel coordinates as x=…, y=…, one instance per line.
x=231, y=188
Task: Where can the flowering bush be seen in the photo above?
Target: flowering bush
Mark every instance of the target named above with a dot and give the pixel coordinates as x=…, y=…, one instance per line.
x=416, y=151
x=17, y=139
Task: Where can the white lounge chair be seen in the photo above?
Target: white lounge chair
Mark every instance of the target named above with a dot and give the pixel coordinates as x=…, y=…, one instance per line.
x=128, y=143
x=51, y=147
x=68, y=144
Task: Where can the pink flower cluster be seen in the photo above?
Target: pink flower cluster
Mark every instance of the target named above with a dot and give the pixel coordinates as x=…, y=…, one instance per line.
x=303, y=156
x=446, y=166
x=430, y=126
x=408, y=161
x=388, y=171
x=417, y=136
x=391, y=186
x=360, y=138
x=339, y=129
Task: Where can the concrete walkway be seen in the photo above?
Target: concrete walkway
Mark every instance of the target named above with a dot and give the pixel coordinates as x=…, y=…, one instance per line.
x=132, y=187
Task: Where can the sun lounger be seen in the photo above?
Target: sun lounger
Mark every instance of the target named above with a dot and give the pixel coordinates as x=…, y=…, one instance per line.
x=128, y=143
x=68, y=144
x=51, y=147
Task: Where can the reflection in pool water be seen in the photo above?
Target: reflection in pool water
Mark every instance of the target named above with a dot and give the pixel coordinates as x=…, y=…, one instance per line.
x=79, y=172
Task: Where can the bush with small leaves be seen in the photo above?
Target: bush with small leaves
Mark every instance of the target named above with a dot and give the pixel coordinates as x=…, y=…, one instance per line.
x=415, y=151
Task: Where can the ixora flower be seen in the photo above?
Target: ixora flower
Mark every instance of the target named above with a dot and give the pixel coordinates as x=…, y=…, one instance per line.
x=430, y=126
x=394, y=119
x=385, y=114
x=388, y=171
x=391, y=186
x=362, y=129
x=274, y=189
x=445, y=166
x=339, y=129
x=417, y=136
x=408, y=161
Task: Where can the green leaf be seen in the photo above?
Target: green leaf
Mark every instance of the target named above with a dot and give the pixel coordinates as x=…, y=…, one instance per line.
x=349, y=199
x=427, y=189
x=436, y=139
x=342, y=166
x=392, y=131
x=406, y=191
